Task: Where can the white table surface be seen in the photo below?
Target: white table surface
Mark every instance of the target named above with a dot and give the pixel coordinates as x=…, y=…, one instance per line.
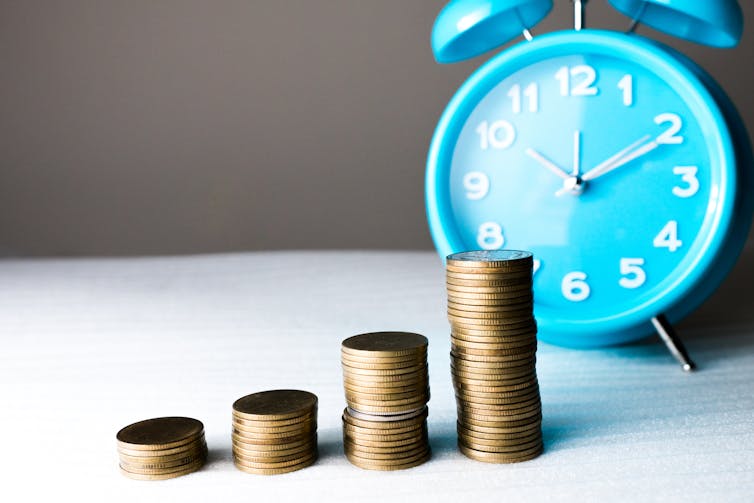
x=90, y=345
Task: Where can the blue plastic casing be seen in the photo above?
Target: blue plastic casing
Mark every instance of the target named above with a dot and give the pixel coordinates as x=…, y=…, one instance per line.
x=718, y=23
x=619, y=215
x=468, y=28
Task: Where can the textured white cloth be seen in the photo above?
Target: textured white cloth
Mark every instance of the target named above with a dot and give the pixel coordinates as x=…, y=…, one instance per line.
x=90, y=345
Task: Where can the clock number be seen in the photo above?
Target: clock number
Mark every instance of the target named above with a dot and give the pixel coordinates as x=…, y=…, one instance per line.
x=575, y=287
x=688, y=175
x=670, y=137
x=537, y=266
x=633, y=274
x=668, y=237
x=477, y=185
x=499, y=135
x=626, y=85
x=531, y=93
x=585, y=86
x=490, y=236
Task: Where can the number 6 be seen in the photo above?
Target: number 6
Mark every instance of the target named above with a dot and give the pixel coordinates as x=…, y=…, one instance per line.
x=574, y=287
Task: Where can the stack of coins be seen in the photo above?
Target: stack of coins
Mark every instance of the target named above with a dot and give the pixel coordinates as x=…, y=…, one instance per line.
x=387, y=389
x=493, y=355
x=275, y=431
x=161, y=448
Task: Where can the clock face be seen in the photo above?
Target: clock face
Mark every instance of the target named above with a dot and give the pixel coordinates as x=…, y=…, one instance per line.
x=608, y=171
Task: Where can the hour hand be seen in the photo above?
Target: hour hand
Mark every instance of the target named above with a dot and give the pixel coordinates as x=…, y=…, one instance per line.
x=547, y=163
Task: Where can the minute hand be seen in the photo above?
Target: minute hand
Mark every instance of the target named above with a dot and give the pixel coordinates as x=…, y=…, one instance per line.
x=630, y=153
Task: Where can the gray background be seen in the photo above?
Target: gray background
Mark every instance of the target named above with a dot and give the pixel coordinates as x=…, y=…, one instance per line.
x=183, y=126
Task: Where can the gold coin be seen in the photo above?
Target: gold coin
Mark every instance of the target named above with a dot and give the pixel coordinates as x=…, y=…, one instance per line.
x=252, y=453
x=195, y=452
x=489, y=379
x=194, y=465
x=484, y=296
x=382, y=456
x=386, y=381
x=159, y=433
x=497, y=433
x=389, y=344
x=418, y=418
x=385, y=396
x=249, y=439
x=278, y=404
x=181, y=449
x=481, y=427
x=272, y=468
x=502, y=424
x=419, y=388
x=378, y=441
x=514, y=329
x=466, y=322
x=470, y=438
x=472, y=384
x=276, y=471
x=254, y=423
x=388, y=451
x=522, y=339
x=422, y=398
x=368, y=373
x=500, y=447
x=462, y=388
x=494, y=398
x=160, y=465
x=392, y=431
x=509, y=359
x=499, y=316
x=273, y=437
x=480, y=268
x=491, y=349
x=475, y=309
x=354, y=360
x=532, y=415
x=413, y=363
x=511, y=276
x=162, y=476
x=489, y=457
x=502, y=369
x=360, y=463
x=505, y=410
x=470, y=286
x=298, y=427
x=273, y=462
x=242, y=443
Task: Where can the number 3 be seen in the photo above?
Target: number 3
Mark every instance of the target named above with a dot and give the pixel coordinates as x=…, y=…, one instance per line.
x=688, y=175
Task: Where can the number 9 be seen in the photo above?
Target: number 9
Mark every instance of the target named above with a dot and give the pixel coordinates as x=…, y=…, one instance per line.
x=477, y=185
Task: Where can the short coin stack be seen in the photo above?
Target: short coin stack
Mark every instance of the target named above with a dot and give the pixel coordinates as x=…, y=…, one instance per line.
x=387, y=389
x=275, y=431
x=493, y=355
x=161, y=448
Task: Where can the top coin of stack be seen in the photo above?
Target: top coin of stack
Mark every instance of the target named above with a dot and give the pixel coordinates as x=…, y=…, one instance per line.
x=161, y=448
x=493, y=355
x=275, y=431
x=387, y=388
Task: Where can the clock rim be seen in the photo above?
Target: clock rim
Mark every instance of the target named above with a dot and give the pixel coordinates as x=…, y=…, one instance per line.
x=634, y=323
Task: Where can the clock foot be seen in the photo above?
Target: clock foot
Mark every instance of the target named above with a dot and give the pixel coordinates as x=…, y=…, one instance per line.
x=674, y=344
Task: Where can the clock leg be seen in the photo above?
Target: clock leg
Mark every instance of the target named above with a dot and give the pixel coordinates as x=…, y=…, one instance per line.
x=674, y=344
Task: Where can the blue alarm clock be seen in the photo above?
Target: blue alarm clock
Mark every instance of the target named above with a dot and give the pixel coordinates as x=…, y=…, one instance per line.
x=616, y=160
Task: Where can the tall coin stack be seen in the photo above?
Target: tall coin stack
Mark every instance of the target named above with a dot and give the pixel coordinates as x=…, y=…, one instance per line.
x=493, y=355
x=275, y=431
x=161, y=448
x=387, y=389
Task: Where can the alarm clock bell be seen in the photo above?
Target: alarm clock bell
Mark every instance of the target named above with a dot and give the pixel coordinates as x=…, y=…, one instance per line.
x=467, y=28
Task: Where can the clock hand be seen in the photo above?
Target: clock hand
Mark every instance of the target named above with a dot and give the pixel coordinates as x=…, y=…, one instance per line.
x=547, y=163
x=628, y=154
x=576, y=153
